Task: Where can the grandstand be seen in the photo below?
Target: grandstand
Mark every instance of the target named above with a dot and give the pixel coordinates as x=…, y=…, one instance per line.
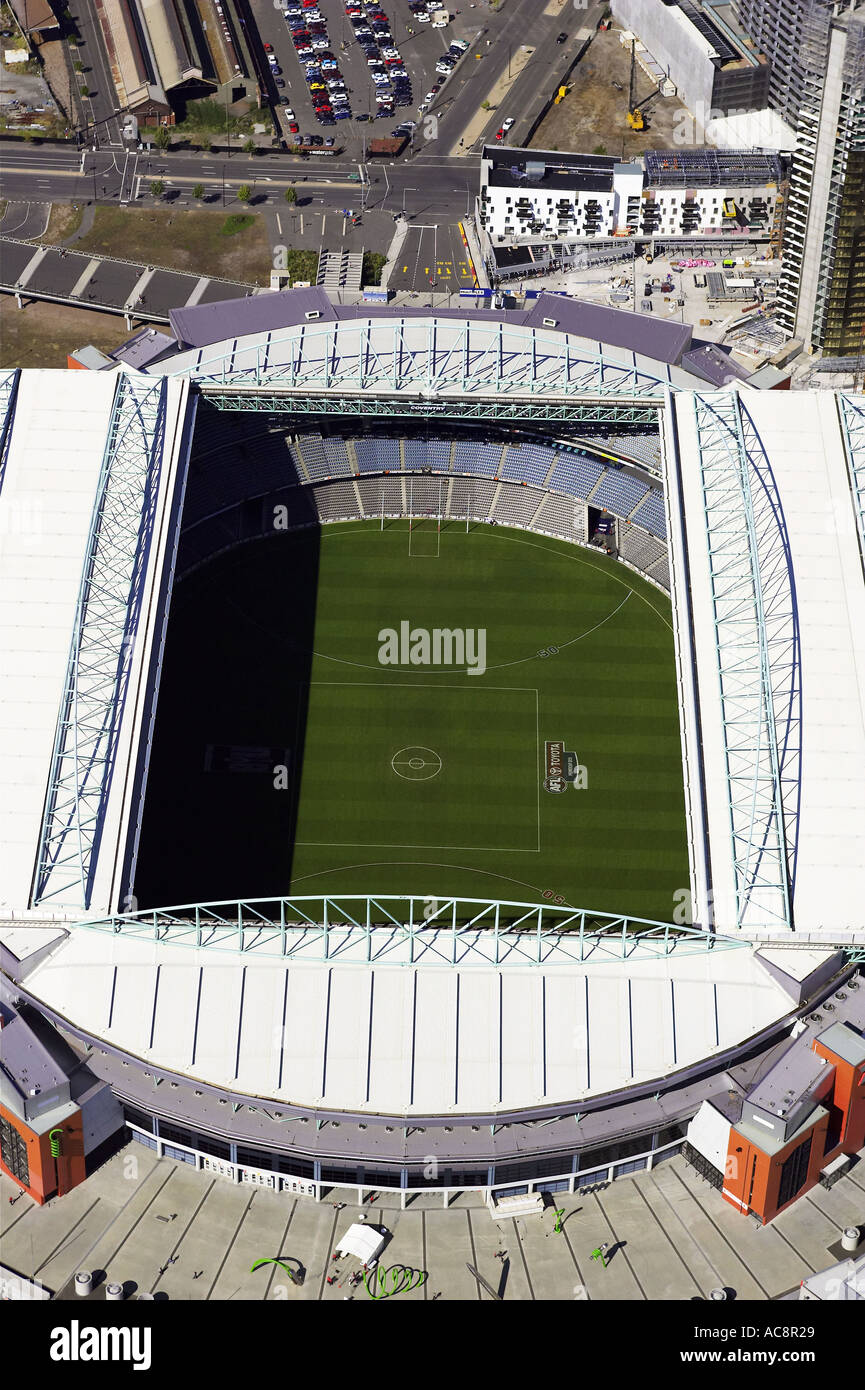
x=521, y=1035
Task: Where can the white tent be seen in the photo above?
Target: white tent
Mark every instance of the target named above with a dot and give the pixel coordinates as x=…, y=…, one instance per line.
x=364, y=1242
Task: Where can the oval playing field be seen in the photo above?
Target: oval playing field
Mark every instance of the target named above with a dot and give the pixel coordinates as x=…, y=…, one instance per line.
x=441, y=711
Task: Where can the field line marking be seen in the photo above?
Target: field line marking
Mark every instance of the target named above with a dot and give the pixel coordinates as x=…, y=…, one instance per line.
x=500, y=666
x=374, y=844
x=538, y=760
x=423, y=864
x=417, y=685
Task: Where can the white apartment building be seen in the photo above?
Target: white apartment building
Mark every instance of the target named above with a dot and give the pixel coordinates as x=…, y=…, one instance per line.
x=531, y=194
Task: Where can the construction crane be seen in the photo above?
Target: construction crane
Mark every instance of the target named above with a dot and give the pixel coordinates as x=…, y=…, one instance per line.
x=636, y=114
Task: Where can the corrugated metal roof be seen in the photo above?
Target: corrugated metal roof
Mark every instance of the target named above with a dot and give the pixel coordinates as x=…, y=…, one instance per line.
x=204, y=324
x=665, y=342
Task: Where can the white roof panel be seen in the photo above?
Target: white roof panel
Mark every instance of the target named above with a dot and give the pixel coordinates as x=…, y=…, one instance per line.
x=467, y=1040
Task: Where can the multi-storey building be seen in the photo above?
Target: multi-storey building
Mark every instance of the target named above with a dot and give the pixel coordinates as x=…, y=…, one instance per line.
x=527, y=194
x=715, y=66
x=817, y=53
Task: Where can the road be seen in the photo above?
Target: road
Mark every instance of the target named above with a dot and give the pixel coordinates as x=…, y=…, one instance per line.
x=437, y=189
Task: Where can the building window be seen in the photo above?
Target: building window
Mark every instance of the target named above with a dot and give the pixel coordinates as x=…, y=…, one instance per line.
x=216, y=1148
x=169, y=1151
x=255, y=1158
x=175, y=1134
x=13, y=1151
x=138, y=1117
x=794, y=1172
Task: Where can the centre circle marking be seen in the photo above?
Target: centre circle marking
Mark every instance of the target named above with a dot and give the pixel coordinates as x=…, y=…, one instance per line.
x=416, y=764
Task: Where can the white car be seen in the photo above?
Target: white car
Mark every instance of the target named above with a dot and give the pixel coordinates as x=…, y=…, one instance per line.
x=339, y=99
x=459, y=43
x=506, y=125
x=390, y=52
x=320, y=44
x=380, y=81
x=423, y=18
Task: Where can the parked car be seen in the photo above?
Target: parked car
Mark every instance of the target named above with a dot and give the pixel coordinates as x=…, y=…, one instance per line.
x=276, y=70
x=561, y=38
x=343, y=114
x=279, y=81
x=329, y=142
x=294, y=127
x=362, y=116
x=268, y=48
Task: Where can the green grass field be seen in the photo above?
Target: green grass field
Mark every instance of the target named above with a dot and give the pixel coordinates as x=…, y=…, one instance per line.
x=418, y=778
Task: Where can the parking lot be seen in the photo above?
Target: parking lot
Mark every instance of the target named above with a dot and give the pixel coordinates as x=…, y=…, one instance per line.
x=419, y=46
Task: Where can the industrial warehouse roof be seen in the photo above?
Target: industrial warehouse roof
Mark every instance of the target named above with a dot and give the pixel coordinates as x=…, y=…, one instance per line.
x=397, y=1038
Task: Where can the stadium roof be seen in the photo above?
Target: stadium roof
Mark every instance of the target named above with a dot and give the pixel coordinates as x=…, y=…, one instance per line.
x=395, y=1038
x=67, y=446
x=204, y=325
x=769, y=590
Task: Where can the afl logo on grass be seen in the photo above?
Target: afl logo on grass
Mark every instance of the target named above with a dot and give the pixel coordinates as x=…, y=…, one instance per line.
x=563, y=768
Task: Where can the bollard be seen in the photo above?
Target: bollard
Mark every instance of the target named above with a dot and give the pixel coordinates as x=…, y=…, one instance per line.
x=114, y=1293
x=850, y=1238
x=83, y=1283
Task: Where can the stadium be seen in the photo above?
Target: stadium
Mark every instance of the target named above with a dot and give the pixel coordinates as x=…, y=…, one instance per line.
x=435, y=752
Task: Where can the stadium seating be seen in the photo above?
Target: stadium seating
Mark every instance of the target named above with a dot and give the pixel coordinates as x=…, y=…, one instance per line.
x=575, y=473
x=427, y=453
x=477, y=458
x=336, y=501
x=638, y=548
x=530, y=462
x=651, y=515
x=336, y=453
x=563, y=517
x=619, y=492
x=377, y=455
x=646, y=447
x=515, y=505
x=238, y=462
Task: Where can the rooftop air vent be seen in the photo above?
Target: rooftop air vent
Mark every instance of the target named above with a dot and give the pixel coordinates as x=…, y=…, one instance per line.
x=312, y=314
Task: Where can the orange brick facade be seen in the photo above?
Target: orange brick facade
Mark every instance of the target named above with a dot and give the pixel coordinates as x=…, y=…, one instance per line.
x=752, y=1179
x=49, y=1175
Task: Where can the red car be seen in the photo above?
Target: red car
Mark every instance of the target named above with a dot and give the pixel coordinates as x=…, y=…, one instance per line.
x=294, y=127
x=500, y=134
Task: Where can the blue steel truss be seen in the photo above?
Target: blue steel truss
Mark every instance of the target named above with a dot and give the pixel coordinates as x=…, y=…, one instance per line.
x=759, y=658
x=100, y=655
x=8, y=393
x=852, y=412
x=426, y=356
x=408, y=930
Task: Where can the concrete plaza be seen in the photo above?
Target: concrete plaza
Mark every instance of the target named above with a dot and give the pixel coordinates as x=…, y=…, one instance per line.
x=165, y=1229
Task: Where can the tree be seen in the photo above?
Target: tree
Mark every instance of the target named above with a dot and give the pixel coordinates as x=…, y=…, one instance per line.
x=250, y=146
x=244, y=193
x=163, y=139
x=157, y=188
x=485, y=106
x=198, y=191
x=290, y=196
